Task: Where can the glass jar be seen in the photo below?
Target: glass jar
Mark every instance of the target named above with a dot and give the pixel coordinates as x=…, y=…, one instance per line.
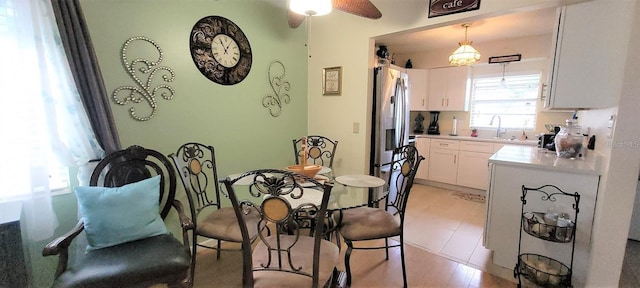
x=568, y=141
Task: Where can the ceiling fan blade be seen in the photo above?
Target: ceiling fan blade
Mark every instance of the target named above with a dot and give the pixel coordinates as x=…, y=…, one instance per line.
x=362, y=8
x=294, y=19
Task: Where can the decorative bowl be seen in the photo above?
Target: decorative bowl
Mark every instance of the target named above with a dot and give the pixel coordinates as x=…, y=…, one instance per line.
x=309, y=170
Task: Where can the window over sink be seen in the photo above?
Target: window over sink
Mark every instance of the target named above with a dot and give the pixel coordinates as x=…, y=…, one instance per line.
x=512, y=97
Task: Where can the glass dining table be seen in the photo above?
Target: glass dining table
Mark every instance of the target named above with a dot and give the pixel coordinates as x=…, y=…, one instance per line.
x=349, y=191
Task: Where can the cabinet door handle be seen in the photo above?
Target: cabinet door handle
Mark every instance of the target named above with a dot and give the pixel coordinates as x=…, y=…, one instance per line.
x=442, y=102
x=444, y=144
x=455, y=158
x=447, y=102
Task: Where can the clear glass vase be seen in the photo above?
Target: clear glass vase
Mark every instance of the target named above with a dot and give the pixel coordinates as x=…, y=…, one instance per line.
x=569, y=140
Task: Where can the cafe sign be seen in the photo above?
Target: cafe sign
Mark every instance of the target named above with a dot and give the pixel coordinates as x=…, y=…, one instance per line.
x=446, y=7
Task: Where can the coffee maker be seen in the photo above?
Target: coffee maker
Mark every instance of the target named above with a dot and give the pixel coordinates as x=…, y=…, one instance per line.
x=434, y=127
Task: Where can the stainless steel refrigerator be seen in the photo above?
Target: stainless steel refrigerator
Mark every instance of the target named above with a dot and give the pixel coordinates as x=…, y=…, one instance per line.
x=390, y=117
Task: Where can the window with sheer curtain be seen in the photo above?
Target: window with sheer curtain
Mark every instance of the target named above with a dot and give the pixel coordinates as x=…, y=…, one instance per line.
x=512, y=97
x=44, y=127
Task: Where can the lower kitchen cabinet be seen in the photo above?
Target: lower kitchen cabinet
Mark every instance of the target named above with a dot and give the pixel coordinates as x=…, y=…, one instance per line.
x=473, y=169
x=443, y=160
x=457, y=162
x=422, y=144
x=473, y=164
x=510, y=169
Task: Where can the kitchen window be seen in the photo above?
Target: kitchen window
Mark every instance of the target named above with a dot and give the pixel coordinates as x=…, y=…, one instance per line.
x=513, y=98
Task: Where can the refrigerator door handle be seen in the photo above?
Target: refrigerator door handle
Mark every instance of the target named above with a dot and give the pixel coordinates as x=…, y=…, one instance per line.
x=403, y=110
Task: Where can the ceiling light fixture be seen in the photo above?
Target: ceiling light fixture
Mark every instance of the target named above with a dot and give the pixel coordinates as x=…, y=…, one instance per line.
x=310, y=7
x=503, y=82
x=465, y=54
x=504, y=60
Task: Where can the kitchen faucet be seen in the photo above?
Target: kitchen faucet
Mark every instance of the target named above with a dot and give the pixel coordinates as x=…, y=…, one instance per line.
x=499, y=124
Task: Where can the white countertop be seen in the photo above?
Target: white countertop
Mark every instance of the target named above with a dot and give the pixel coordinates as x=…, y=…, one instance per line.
x=478, y=139
x=529, y=156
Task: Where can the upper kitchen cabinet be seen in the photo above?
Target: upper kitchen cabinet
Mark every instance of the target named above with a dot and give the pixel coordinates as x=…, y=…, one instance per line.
x=588, y=60
x=418, y=89
x=447, y=89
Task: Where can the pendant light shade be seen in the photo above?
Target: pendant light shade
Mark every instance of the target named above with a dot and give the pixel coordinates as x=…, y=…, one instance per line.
x=465, y=54
x=310, y=7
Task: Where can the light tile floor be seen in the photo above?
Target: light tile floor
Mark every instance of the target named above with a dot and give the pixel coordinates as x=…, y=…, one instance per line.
x=451, y=227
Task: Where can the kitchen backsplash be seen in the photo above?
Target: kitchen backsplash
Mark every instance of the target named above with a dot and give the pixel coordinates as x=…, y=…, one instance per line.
x=463, y=129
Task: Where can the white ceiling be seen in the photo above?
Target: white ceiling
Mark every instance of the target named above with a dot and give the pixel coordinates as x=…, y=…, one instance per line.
x=519, y=24
x=514, y=25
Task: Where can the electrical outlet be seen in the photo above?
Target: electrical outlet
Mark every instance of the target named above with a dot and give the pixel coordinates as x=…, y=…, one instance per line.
x=610, y=125
x=611, y=119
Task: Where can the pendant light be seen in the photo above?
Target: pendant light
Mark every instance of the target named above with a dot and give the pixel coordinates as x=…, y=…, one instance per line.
x=310, y=7
x=465, y=54
x=503, y=82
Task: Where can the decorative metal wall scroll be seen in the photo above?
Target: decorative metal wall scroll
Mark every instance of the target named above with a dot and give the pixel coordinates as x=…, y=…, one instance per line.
x=280, y=88
x=144, y=92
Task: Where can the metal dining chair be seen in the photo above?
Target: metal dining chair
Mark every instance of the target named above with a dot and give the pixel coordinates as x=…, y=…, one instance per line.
x=196, y=165
x=295, y=253
x=371, y=223
x=320, y=150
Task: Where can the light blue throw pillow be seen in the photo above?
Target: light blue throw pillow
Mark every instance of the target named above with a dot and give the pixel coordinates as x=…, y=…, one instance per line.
x=118, y=215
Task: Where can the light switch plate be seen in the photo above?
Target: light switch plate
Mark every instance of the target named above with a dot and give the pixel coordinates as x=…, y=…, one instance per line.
x=610, y=125
x=356, y=127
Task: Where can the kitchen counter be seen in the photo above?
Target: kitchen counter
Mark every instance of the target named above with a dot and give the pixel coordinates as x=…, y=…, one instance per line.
x=531, y=157
x=513, y=167
x=478, y=139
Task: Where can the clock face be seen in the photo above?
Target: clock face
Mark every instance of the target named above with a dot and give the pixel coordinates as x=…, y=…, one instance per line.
x=220, y=50
x=225, y=50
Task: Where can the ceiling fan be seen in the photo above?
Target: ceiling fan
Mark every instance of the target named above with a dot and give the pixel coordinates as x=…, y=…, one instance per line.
x=363, y=8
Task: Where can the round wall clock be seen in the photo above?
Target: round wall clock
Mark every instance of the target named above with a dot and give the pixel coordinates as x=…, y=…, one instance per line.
x=220, y=50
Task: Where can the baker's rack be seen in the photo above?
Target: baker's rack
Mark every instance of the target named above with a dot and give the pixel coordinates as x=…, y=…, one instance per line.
x=540, y=269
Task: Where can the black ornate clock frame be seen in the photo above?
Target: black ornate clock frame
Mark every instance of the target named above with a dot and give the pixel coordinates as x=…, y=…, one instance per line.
x=200, y=45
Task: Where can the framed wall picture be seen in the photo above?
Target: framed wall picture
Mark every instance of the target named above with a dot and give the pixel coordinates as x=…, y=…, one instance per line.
x=446, y=7
x=332, y=81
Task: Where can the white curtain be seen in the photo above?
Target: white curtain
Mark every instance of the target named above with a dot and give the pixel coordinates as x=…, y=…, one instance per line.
x=42, y=121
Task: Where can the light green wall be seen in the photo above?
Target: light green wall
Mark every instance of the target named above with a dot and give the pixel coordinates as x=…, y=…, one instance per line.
x=231, y=118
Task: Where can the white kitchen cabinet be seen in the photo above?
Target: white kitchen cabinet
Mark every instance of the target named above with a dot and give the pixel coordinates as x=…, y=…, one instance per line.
x=443, y=160
x=514, y=166
x=473, y=164
x=423, y=145
x=587, y=69
x=447, y=89
x=418, y=89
